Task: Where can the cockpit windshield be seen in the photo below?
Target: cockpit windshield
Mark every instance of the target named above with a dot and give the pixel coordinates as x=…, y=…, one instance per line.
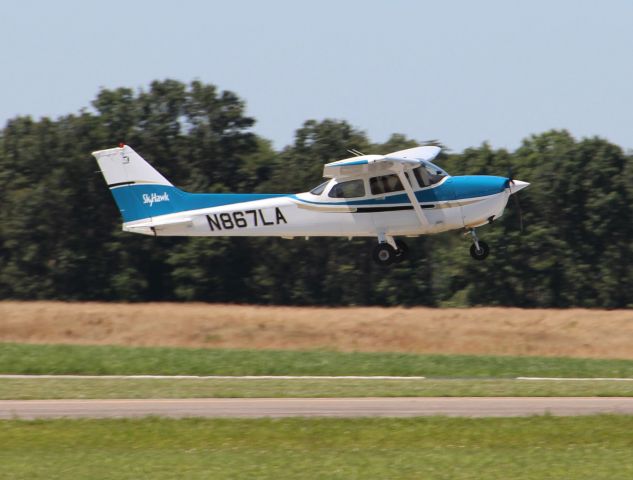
x=319, y=189
x=428, y=174
x=436, y=169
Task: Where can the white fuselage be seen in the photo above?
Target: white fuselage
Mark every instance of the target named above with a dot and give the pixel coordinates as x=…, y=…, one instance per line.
x=309, y=215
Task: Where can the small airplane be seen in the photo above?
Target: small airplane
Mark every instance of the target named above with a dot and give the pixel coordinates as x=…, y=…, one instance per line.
x=401, y=194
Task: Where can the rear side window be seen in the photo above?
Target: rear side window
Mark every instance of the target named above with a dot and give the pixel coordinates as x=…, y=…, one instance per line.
x=385, y=184
x=350, y=189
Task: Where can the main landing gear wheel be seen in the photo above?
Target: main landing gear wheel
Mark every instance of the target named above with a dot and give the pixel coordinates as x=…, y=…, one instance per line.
x=481, y=252
x=384, y=254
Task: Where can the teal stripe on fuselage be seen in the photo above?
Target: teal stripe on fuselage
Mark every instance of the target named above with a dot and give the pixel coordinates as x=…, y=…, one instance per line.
x=453, y=188
x=352, y=162
x=143, y=201
x=139, y=201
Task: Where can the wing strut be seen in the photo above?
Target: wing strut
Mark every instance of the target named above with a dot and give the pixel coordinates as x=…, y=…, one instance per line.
x=406, y=183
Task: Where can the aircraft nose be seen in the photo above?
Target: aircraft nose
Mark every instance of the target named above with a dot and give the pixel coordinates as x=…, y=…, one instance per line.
x=517, y=185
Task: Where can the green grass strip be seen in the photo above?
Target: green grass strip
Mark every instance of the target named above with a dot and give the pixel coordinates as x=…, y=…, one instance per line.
x=553, y=448
x=51, y=388
x=116, y=360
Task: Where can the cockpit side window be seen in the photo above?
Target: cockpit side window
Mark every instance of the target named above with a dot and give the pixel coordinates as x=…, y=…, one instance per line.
x=422, y=176
x=319, y=190
x=349, y=189
x=385, y=184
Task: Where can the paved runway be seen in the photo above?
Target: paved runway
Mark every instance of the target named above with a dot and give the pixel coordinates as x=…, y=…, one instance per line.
x=316, y=407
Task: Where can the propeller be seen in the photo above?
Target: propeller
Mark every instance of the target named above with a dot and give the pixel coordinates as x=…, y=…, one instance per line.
x=519, y=212
x=516, y=197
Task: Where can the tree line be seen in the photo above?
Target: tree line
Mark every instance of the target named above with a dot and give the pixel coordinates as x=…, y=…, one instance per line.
x=61, y=238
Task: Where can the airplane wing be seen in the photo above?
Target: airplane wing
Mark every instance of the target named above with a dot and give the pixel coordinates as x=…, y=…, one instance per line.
x=427, y=153
x=380, y=164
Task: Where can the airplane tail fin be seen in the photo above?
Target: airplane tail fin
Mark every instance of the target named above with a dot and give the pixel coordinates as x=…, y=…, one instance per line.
x=139, y=190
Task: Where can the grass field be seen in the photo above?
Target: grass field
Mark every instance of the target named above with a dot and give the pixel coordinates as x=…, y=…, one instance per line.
x=590, y=448
x=477, y=331
x=492, y=376
x=25, y=389
x=104, y=360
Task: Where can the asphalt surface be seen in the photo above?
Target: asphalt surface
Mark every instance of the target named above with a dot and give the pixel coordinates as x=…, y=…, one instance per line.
x=301, y=377
x=316, y=407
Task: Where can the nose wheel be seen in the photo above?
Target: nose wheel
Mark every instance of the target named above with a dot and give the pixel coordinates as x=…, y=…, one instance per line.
x=479, y=250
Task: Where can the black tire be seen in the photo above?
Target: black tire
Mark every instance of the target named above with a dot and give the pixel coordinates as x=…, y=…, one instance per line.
x=483, y=251
x=402, y=253
x=384, y=254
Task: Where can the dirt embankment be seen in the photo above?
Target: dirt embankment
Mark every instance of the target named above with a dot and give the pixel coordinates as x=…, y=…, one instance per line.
x=494, y=331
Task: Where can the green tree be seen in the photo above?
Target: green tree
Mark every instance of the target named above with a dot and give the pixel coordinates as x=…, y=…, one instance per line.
x=60, y=234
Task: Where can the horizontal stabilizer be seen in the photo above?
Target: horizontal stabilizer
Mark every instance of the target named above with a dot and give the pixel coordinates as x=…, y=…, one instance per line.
x=149, y=228
x=160, y=223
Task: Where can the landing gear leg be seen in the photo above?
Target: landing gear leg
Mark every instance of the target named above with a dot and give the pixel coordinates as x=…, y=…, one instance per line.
x=479, y=250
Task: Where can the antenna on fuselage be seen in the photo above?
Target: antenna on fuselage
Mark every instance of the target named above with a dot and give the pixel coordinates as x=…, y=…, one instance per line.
x=355, y=152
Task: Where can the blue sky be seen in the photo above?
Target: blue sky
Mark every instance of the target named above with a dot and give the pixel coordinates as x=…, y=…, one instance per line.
x=458, y=71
